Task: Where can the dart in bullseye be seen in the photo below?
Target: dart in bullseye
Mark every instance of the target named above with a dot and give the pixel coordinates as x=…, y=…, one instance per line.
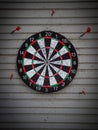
x=18, y=28
x=88, y=30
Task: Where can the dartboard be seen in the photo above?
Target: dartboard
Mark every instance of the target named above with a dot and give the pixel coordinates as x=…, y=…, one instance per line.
x=47, y=61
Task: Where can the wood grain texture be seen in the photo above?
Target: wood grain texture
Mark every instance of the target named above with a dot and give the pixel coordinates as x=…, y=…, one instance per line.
x=44, y=110
x=47, y=21
x=50, y=103
x=67, y=109
x=49, y=126
x=32, y=6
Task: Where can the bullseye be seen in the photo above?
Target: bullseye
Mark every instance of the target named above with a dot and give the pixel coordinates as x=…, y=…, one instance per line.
x=47, y=62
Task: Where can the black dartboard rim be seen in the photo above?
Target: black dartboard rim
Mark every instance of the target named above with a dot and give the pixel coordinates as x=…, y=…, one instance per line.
x=47, y=61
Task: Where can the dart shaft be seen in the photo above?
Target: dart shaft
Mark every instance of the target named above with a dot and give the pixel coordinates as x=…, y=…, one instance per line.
x=83, y=34
x=12, y=31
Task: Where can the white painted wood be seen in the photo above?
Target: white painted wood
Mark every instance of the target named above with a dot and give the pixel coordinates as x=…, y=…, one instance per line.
x=38, y=6
x=7, y=66
x=44, y=126
x=50, y=126
x=71, y=96
x=50, y=103
x=47, y=21
x=49, y=118
x=67, y=109
x=46, y=13
x=42, y=110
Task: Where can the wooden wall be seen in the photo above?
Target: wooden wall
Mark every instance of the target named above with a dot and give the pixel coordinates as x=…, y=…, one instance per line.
x=20, y=106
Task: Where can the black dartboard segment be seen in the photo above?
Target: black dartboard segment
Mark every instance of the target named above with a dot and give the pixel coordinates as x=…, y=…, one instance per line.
x=47, y=61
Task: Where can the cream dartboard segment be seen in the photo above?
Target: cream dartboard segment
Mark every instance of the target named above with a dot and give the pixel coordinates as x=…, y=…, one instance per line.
x=47, y=61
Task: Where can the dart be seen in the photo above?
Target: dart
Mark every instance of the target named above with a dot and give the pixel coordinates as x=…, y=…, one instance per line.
x=16, y=29
x=83, y=92
x=11, y=77
x=52, y=12
x=88, y=30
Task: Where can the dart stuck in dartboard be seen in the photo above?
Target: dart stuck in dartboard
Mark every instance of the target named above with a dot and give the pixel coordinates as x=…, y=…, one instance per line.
x=47, y=61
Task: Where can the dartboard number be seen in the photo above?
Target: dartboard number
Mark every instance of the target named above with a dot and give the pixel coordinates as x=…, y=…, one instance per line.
x=55, y=88
x=73, y=71
x=31, y=39
x=26, y=45
x=73, y=54
x=69, y=78
x=47, y=62
x=20, y=70
x=40, y=35
x=38, y=88
x=24, y=77
x=19, y=61
x=30, y=84
x=63, y=84
x=64, y=40
x=46, y=90
x=21, y=52
x=48, y=33
x=69, y=46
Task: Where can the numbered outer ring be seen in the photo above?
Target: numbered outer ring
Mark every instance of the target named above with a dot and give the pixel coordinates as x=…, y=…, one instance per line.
x=47, y=61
